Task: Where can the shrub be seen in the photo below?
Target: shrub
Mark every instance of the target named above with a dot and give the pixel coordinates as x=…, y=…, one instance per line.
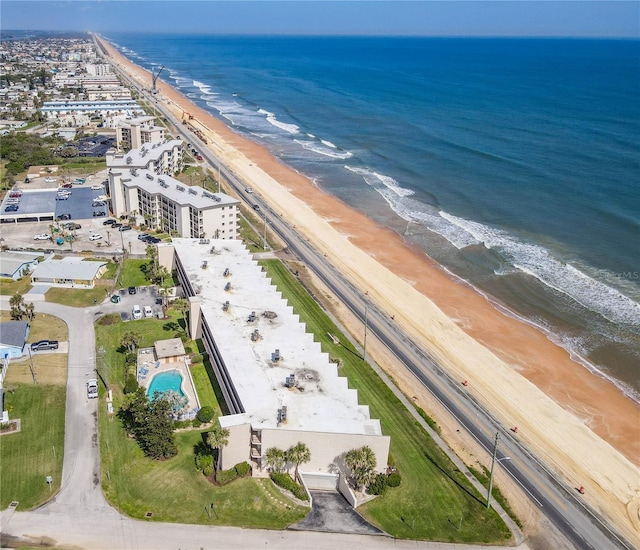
x=131, y=384
x=205, y=414
x=394, y=479
x=286, y=482
x=379, y=485
x=196, y=423
x=391, y=461
x=131, y=358
x=110, y=319
x=243, y=469
x=188, y=350
x=178, y=424
x=226, y=476
x=204, y=463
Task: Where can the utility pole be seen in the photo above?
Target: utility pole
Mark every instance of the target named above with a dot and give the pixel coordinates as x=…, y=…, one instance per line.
x=264, y=238
x=364, y=346
x=493, y=463
x=33, y=373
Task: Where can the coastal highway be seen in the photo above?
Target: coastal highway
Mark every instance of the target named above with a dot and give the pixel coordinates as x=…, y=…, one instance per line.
x=561, y=504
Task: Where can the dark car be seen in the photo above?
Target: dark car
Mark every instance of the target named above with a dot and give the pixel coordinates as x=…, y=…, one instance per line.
x=116, y=225
x=44, y=345
x=132, y=290
x=109, y=222
x=115, y=299
x=98, y=213
x=124, y=228
x=256, y=207
x=66, y=186
x=11, y=208
x=143, y=236
x=63, y=217
x=98, y=203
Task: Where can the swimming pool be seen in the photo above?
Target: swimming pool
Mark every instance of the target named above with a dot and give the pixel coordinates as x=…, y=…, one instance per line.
x=165, y=381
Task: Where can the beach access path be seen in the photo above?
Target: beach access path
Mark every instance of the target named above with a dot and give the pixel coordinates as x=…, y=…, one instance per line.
x=513, y=369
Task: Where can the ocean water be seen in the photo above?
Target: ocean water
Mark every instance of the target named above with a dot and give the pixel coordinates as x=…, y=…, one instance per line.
x=514, y=163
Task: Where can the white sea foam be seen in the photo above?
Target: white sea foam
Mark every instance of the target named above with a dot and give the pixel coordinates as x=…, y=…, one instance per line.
x=563, y=277
x=271, y=118
x=375, y=179
x=328, y=144
x=317, y=148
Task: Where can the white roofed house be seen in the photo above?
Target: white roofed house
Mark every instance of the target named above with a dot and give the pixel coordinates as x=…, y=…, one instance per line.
x=278, y=384
x=69, y=272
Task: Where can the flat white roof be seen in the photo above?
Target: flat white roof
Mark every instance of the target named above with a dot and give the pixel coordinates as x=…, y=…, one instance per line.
x=321, y=401
x=142, y=156
x=68, y=268
x=178, y=192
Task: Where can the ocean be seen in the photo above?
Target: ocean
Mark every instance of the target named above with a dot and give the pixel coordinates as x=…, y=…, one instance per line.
x=514, y=163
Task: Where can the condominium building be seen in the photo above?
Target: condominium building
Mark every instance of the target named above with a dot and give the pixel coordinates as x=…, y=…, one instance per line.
x=158, y=157
x=279, y=386
x=165, y=203
x=134, y=133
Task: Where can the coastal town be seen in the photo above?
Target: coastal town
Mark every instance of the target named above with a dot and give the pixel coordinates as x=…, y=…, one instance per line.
x=151, y=261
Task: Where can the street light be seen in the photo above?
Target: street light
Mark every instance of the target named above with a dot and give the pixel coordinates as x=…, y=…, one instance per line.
x=493, y=463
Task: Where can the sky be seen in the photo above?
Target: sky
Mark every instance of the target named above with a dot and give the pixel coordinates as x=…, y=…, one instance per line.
x=571, y=18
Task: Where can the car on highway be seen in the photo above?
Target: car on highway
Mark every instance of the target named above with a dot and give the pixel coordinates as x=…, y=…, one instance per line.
x=97, y=188
x=42, y=237
x=11, y=208
x=148, y=311
x=44, y=345
x=256, y=207
x=95, y=237
x=248, y=190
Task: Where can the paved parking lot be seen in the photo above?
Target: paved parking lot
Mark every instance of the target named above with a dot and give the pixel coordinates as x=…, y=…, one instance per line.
x=45, y=203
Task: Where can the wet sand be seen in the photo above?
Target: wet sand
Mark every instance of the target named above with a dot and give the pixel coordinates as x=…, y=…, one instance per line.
x=579, y=423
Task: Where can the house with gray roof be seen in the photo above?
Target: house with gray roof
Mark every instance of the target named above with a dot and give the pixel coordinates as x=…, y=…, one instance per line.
x=13, y=336
x=69, y=273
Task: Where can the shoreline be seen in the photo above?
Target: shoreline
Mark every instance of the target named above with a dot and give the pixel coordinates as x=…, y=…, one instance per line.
x=529, y=380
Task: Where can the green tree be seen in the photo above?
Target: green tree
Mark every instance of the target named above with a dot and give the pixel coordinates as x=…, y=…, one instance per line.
x=29, y=310
x=216, y=439
x=299, y=454
x=361, y=462
x=17, y=304
x=155, y=435
x=182, y=306
x=276, y=459
x=130, y=340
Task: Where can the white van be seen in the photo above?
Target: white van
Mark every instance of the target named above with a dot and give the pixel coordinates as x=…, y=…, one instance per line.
x=137, y=312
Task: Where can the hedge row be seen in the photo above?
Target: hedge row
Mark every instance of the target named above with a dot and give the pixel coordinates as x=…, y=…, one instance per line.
x=227, y=476
x=286, y=482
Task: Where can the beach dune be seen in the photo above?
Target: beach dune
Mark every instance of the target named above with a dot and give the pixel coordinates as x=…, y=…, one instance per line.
x=579, y=424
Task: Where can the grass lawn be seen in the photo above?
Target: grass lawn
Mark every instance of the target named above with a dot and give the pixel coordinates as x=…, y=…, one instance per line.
x=9, y=287
x=28, y=457
x=75, y=297
x=49, y=369
x=132, y=273
x=435, y=500
x=173, y=490
x=43, y=327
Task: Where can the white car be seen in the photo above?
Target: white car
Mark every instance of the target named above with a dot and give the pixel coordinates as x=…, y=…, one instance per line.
x=50, y=180
x=97, y=187
x=42, y=237
x=148, y=312
x=137, y=312
x=95, y=237
x=249, y=190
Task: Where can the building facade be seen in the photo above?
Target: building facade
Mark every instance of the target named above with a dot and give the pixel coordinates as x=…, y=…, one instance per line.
x=134, y=133
x=159, y=158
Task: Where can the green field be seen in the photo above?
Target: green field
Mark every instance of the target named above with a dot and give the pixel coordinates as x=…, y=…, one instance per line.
x=132, y=274
x=76, y=297
x=435, y=500
x=36, y=452
x=9, y=287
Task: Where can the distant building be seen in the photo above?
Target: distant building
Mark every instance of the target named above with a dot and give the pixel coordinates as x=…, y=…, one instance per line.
x=53, y=109
x=134, y=133
x=98, y=69
x=13, y=336
x=279, y=386
x=165, y=203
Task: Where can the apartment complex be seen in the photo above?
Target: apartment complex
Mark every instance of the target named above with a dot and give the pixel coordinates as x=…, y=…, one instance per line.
x=278, y=384
x=135, y=132
x=158, y=157
x=165, y=203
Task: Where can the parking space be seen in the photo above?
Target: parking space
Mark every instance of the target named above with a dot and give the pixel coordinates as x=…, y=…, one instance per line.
x=145, y=297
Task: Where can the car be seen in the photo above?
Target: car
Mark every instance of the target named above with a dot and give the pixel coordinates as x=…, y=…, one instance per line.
x=44, y=345
x=256, y=207
x=11, y=208
x=132, y=290
x=148, y=312
x=97, y=188
x=95, y=237
x=248, y=190
x=115, y=299
x=27, y=180
x=12, y=201
x=92, y=388
x=42, y=237
x=153, y=240
x=137, y=312
x=143, y=236
x=71, y=226
x=15, y=194
x=108, y=222
x=116, y=225
x=50, y=180
x=124, y=228
x=60, y=197
x=98, y=203
x=98, y=213
x=67, y=186
x=199, y=157
x=63, y=217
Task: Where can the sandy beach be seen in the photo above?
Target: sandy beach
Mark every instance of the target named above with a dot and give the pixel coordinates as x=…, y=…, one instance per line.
x=578, y=423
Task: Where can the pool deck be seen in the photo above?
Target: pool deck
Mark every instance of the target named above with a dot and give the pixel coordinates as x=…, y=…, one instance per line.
x=148, y=367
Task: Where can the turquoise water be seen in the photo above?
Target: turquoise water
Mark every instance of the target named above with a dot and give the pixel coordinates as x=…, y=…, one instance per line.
x=511, y=162
x=166, y=381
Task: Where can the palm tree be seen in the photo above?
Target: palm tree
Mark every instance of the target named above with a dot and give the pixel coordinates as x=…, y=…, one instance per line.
x=361, y=462
x=130, y=340
x=29, y=310
x=182, y=306
x=216, y=439
x=276, y=459
x=299, y=454
x=17, y=302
